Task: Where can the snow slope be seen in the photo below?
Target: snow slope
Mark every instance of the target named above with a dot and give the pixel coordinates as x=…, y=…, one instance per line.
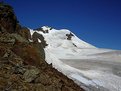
x=58, y=43
x=89, y=71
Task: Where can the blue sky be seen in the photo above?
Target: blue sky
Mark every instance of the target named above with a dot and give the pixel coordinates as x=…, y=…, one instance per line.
x=97, y=22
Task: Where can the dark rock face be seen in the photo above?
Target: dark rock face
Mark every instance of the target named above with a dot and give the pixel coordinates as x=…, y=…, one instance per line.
x=24, y=32
x=69, y=36
x=22, y=64
x=37, y=36
x=8, y=21
x=40, y=29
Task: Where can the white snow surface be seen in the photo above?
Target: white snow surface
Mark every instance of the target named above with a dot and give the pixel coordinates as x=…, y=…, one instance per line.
x=102, y=71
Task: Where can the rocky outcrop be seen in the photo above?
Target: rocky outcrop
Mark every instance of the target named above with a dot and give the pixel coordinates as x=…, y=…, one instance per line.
x=44, y=29
x=69, y=36
x=8, y=20
x=24, y=32
x=23, y=68
x=41, y=29
x=36, y=37
x=22, y=63
x=30, y=53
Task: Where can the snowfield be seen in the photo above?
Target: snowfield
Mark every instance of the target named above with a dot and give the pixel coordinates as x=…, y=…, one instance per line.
x=92, y=68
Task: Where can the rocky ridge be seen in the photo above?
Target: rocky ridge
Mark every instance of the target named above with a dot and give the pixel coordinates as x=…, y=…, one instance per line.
x=22, y=63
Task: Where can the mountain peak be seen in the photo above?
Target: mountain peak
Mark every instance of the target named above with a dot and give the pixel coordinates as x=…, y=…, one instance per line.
x=44, y=29
x=62, y=40
x=56, y=37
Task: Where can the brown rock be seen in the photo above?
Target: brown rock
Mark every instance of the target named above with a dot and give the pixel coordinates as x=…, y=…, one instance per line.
x=30, y=54
x=2, y=51
x=22, y=64
x=8, y=20
x=31, y=74
x=3, y=83
x=37, y=36
x=53, y=88
x=44, y=79
x=6, y=38
x=19, y=39
x=25, y=33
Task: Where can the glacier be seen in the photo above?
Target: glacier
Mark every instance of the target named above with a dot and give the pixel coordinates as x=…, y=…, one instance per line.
x=94, y=69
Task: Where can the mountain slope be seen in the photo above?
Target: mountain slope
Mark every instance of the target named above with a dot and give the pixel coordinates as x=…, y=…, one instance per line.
x=62, y=40
x=88, y=66
x=22, y=63
x=65, y=41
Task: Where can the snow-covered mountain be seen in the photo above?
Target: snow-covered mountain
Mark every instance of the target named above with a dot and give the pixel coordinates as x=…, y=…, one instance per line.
x=87, y=65
x=64, y=48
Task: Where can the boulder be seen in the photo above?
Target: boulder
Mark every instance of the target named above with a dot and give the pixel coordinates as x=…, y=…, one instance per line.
x=31, y=74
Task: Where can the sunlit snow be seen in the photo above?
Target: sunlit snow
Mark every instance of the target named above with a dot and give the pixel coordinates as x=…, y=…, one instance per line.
x=93, y=68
